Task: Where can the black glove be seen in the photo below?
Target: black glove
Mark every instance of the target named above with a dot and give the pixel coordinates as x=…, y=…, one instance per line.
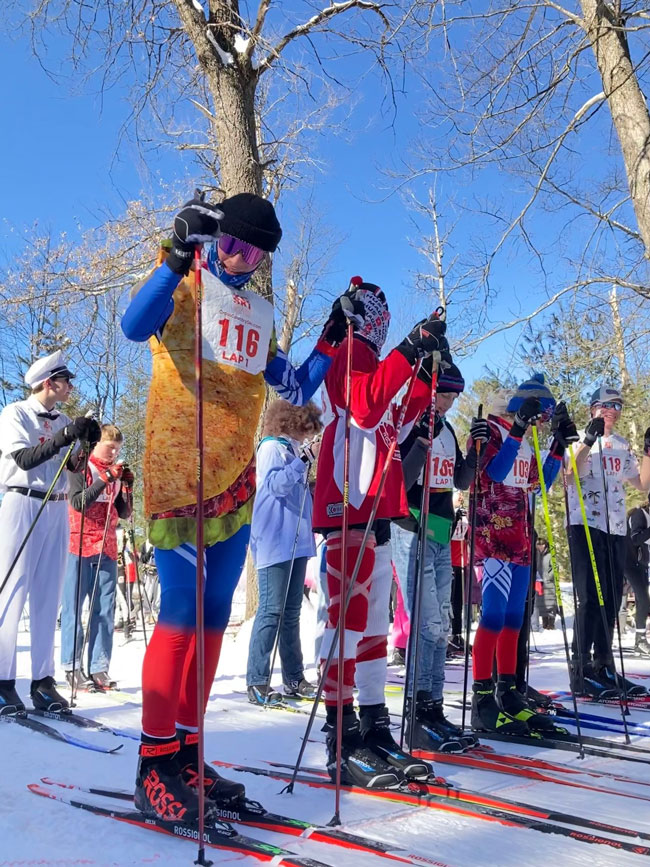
x=111, y=474
x=82, y=428
x=427, y=337
x=196, y=223
x=563, y=427
x=127, y=477
x=347, y=308
x=421, y=428
x=445, y=361
x=646, y=442
x=480, y=432
x=595, y=429
x=528, y=412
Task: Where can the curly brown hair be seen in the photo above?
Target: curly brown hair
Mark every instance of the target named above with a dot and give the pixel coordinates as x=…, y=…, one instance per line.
x=298, y=422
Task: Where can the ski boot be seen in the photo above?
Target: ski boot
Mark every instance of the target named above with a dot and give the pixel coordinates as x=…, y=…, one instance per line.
x=45, y=697
x=10, y=701
x=160, y=790
x=618, y=683
x=591, y=685
x=512, y=702
x=102, y=681
x=487, y=716
x=375, y=731
x=262, y=694
x=83, y=683
x=398, y=658
x=455, y=646
x=360, y=766
x=641, y=645
x=433, y=711
x=218, y=790
x=427, y=733
x=536, y=700
x=299, y=689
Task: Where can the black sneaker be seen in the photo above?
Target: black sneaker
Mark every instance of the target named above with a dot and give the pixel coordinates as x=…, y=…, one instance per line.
x=360, y=766
x=487, y=716
x=512, y=702
x=432, y=711
x=10, y=701
x=300, y=688
x=217, y=788
x=375, y=731
x=399, y=657
x=102, y=681
x=45, y=697
x=161, y=792
x=82, y=680
x=263, y=694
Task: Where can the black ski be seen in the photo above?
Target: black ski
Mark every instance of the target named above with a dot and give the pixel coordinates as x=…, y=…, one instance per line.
x=81, y=722
x=222, y=836
x=253, y=814
x=22, y=719
x=474, y=804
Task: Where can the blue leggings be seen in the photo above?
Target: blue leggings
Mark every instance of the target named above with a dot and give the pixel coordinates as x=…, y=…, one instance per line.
x=504, y=588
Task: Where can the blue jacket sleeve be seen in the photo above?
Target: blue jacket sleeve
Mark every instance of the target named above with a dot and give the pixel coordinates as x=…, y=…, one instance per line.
x=152, y=306
x=502, y=462
x=551, y=468
x=297, y=384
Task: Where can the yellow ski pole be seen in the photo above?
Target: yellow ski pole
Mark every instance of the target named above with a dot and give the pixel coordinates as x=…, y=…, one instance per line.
x=556, y=574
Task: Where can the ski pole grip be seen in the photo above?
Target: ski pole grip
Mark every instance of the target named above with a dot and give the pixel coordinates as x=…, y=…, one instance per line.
x=477, y=445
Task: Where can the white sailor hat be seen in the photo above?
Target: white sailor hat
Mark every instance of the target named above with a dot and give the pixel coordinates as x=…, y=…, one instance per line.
x=47, y=368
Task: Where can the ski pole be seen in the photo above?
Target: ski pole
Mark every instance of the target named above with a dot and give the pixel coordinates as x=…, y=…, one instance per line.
x=599, y=591
x=412, y=659
x=44, y=503
x=336, y=818
x=531, y=589
x=473, y=498
x=610, y=560
x=576, y=619
x=78, y=599
x=366, y=535
x=556, y=573
x=138, y=581
x=200, y=553
x=107, y=522
x=276, y=642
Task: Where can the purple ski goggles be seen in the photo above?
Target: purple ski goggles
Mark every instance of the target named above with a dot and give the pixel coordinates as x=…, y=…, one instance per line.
x=230, y=246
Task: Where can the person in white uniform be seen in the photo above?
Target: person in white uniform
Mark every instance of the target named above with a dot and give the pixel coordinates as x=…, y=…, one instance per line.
x=593, y=671
x=32, y=433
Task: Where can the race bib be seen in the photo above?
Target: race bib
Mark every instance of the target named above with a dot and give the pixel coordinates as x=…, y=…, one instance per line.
x=613, y=464
x=443, y=461
x=237, y=325
x=520, y=471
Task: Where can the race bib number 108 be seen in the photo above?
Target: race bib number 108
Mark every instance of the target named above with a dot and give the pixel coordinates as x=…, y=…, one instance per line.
x=237, y=325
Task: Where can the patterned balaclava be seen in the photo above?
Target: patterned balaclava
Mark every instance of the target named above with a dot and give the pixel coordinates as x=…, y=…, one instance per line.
x=376, y=317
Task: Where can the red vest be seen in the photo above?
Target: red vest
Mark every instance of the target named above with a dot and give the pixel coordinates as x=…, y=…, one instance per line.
x=95, y=518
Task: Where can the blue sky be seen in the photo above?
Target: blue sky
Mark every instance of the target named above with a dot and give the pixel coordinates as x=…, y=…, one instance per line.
x=60, y=172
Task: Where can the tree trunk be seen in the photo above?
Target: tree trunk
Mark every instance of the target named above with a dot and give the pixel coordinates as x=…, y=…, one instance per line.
x=626, y=103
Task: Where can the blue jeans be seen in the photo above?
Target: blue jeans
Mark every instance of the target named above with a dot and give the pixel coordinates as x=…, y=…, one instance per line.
x=100, y=638
x=435, y=608
x=273, y=581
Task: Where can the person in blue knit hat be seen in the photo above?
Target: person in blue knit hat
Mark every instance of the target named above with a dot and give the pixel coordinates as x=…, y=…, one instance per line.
x=503, y=548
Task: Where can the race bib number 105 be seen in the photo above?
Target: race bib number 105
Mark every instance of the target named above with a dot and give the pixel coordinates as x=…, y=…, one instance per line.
x=237, y=325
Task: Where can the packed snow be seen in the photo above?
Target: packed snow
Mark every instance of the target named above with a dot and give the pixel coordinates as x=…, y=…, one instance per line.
x=36, y=831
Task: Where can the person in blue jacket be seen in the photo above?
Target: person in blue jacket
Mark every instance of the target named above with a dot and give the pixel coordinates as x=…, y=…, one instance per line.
x=240, y=354
x=282, y=541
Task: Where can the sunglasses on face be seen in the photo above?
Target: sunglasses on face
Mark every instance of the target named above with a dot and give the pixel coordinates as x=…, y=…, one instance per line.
x=61, y=379
x=230, y=246
x=612, y=404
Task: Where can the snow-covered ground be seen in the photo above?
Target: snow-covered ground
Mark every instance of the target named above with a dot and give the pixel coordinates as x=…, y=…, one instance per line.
x=35, y=831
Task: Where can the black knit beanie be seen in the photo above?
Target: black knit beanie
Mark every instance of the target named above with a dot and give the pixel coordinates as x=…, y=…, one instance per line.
x=252, y=219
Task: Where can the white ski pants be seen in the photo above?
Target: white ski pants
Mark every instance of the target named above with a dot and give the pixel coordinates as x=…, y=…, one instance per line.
x=38, y=573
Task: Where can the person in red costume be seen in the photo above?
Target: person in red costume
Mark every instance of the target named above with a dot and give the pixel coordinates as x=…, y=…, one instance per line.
x=373, y=386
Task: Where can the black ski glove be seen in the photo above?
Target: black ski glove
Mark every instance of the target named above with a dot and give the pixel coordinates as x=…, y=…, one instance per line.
x=196, y=223
x=347, y=308
x=82, y=428
x=421, y=428
x=427, y=337
x=563, y=427
x=595, y=429
x=480, y=433
x=426, y=368
x=646, y=442
x=528, y=412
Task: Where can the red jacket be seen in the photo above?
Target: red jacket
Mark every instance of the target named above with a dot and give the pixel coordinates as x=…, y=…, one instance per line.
x=374, y=384
x=95, y=516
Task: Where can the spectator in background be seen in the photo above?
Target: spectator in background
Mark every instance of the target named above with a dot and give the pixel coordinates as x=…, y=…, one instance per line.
x=637, y=558
x=282, y=542
x=545, y=600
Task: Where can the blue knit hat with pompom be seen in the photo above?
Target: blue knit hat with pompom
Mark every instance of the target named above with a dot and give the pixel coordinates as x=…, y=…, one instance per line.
x=533, y=387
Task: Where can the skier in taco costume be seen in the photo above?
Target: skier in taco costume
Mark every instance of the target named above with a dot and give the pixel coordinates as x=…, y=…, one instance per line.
x=240, y=355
